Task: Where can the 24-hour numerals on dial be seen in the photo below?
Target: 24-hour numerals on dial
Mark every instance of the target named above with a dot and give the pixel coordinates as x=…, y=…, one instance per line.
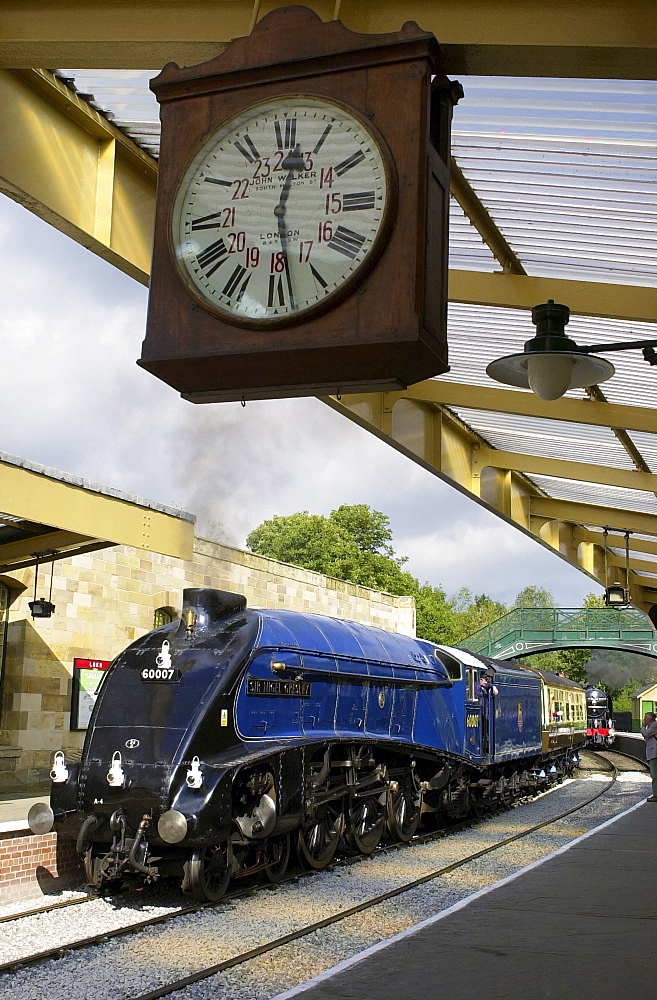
x=280, y=182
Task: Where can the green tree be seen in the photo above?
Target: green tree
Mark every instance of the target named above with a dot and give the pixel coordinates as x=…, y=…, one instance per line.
x=370, y=529
x=355, y=543
x=475, y=612
x=435, y=616
x=534, y=597
x=352, y=544
x=307, y=540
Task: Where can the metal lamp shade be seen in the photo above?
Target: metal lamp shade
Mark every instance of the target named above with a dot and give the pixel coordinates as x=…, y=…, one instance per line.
x=549, y=374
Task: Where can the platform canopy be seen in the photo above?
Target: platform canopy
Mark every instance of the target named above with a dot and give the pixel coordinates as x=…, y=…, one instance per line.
x=554, y=186
x=46, y=515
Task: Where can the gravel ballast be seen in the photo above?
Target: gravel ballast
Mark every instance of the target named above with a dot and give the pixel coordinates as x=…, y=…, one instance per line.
x=140, y=962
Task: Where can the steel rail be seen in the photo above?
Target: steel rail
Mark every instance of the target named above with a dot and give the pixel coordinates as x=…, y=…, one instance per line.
x=46, y=909
x=61, y=950
x=252, y=953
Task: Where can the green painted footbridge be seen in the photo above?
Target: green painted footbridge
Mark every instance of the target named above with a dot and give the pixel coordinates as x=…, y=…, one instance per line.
x=537, y=630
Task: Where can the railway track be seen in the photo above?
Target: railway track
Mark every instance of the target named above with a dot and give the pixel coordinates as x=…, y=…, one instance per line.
x=312, y=926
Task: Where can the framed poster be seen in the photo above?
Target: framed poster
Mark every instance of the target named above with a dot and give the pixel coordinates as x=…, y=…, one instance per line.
x=87, y=678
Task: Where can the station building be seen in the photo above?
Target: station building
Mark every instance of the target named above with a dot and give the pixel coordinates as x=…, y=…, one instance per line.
x=106, y=598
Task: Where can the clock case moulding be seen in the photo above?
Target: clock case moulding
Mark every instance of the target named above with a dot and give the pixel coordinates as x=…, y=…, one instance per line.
x=387, y=331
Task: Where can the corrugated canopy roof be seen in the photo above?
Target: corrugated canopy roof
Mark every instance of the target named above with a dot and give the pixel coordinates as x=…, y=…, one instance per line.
x=567, y=169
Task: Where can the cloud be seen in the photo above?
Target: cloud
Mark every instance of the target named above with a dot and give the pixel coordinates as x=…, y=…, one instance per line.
x=74, y=399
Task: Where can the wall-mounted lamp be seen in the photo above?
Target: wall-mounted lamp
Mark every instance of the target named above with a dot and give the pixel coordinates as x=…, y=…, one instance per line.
x=552, y=363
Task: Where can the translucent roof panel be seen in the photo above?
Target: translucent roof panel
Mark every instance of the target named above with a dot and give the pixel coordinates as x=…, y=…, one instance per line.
x=606, y=496
x=123, y=96
x=548, y=438
x=467, y=249
x=568, y=171
x=566, y=168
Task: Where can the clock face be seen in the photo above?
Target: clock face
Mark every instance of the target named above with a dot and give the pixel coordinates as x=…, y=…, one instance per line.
x=281, y=209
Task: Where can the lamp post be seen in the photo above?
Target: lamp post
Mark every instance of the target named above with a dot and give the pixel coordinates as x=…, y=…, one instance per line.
x=551, y=363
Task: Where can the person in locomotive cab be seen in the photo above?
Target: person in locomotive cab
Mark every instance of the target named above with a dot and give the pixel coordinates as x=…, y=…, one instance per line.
x=649, y=733
x=486, y=685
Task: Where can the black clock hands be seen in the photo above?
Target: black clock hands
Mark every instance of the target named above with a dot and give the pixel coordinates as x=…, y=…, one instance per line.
x=293, y=161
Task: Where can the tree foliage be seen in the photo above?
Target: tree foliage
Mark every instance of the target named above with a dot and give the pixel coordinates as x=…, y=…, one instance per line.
x=355, y=543
x=534, y=597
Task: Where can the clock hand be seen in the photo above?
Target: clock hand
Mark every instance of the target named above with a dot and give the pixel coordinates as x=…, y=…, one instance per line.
x=293, y=161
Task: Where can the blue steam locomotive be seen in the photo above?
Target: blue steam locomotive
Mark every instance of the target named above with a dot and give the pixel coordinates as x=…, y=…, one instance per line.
x=220, y=741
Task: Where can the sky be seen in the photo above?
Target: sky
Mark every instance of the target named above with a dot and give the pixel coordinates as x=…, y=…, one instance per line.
x=74, y=399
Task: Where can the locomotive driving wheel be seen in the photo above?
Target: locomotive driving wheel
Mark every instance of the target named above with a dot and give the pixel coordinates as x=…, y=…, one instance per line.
x=318, y=840
x=279, y=848
x=403, y=807
x=209, y=871
x=366, y=819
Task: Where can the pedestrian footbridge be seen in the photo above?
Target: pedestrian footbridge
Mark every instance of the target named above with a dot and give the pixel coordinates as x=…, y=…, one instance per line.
x=537, y=630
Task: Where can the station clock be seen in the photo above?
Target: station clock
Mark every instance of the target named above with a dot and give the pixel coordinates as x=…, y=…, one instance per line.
x=301, y=221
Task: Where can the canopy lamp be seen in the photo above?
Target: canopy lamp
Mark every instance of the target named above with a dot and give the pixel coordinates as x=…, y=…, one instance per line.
x=42, y=608
x=617, y=596
x=552, y=363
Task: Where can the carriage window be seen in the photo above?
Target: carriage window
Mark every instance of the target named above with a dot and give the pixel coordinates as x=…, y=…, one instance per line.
x=471, y=677
x=557, y=711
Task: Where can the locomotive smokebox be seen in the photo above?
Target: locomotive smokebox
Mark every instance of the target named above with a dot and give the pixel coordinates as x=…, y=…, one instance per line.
x=203, y=608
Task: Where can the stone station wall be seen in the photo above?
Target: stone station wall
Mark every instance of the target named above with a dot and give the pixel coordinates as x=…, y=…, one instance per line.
x=106, y=599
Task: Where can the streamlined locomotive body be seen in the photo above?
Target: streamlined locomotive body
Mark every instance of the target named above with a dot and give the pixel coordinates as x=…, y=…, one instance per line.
x=219, y=741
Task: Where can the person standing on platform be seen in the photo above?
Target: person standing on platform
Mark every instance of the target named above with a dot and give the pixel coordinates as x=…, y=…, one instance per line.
x=649, y=733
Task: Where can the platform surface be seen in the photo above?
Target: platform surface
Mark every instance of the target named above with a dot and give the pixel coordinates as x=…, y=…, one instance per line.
x=14, y=807
x=583, y=923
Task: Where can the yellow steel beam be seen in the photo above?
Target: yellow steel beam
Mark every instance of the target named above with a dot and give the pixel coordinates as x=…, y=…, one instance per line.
x=615, y=40
x=480, y=218
x=637, y=565
x=584, y=513
x=585, y=298
x=579, y=411
x=69, y=165
x=414, y=423
x=615, y=540
x=51, y=541
x=629, y=479
x=27, y=494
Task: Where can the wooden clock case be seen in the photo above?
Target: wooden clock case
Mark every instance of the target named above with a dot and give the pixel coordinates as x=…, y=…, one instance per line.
x=390, y=330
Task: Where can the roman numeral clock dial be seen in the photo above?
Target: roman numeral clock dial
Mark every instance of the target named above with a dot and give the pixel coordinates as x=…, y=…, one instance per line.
x=282, y=210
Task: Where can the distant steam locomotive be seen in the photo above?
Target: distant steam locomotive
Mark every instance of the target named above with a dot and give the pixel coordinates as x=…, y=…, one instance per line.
x=220, y=741
x=600, y=728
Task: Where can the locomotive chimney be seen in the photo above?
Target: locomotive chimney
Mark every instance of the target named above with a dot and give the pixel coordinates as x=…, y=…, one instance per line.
x=205, y=607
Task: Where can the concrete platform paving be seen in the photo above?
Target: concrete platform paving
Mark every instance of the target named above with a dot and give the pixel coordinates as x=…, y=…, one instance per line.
x=581, y=923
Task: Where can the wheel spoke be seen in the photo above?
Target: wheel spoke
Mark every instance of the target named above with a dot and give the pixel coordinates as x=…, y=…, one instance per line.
x=209, y=871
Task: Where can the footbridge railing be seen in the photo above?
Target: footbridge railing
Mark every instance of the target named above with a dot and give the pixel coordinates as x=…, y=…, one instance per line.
x=536, y=630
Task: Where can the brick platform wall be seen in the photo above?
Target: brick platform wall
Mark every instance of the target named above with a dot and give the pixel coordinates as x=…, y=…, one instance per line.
x=31, y=866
